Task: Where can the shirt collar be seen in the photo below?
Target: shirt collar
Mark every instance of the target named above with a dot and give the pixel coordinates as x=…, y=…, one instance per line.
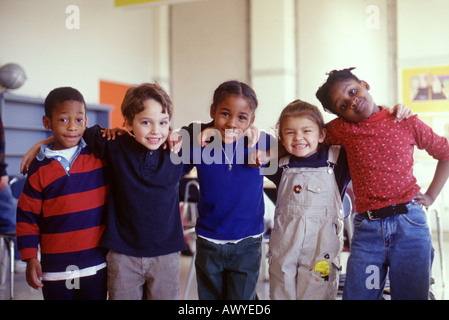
x=41, y=155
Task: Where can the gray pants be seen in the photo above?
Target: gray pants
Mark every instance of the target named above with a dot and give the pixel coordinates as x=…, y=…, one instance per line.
x=137, y=278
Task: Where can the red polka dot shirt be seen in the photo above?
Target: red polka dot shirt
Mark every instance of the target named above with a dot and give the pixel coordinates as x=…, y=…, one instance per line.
x=380, y=156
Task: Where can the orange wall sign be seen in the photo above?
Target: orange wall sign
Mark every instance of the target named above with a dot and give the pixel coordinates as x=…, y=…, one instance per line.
x=112, y=94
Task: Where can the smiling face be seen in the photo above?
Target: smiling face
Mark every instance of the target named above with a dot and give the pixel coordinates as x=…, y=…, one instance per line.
x=301, y=136
x=352, y=101
x=67, y=122
x=150, y=127
x=232, y=116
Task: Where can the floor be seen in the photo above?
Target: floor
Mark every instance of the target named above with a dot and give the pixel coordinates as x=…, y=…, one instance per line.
x=23, y=292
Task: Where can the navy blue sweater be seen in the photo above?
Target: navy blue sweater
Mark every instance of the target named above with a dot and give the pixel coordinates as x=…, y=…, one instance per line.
x=143, y=215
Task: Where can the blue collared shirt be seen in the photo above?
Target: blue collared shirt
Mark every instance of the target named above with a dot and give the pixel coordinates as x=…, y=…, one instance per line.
x=64, y=162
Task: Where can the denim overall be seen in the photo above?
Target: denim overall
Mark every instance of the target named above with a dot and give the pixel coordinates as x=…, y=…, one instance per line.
x=307, y=236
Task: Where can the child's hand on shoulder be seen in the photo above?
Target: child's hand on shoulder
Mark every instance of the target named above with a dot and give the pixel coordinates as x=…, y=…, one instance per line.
x=253, y=134
x=206, y=135
x=401, y=112
x=174, y=142
x=110, y=134
x=258, y=158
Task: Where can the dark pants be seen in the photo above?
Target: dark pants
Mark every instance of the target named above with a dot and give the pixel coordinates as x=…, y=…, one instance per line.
x=228, y=271
x=90, y=288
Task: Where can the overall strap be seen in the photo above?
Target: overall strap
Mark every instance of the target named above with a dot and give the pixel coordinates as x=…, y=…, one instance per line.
x=332, y=157
x=284, y=161
x=334, y=152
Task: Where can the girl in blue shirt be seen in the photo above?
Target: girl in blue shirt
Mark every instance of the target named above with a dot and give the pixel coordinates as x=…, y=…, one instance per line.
x=231, y=208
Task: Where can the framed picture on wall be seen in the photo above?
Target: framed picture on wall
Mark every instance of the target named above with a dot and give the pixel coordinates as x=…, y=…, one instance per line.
x=426, y=89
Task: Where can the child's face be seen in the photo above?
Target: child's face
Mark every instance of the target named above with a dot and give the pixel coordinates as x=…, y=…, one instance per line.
x=67, y=123
x=151, y=126
x=301, y=136
x=352, y=101
x=232, y=117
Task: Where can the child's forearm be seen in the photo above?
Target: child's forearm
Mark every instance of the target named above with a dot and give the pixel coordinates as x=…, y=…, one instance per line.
x=32, y=153
x=437, y=184
x=439, y=179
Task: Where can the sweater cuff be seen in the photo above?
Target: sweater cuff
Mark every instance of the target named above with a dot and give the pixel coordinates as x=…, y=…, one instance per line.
x=28, y=253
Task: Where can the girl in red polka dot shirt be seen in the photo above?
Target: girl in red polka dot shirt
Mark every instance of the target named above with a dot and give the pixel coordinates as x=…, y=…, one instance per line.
x=390, y=230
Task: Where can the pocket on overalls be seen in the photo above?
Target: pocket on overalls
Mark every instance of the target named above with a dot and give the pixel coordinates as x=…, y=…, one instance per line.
x=315, y=192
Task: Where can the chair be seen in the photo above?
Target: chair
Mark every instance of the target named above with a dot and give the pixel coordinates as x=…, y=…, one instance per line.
x=437, y=208
x=349, y=230
x=7, y=239
x=188, y=217
x=7, y=244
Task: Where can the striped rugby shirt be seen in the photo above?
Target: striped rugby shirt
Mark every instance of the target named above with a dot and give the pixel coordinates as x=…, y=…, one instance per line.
x=63, y=211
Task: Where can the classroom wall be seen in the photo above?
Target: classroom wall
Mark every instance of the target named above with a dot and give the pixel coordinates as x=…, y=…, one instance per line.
x=422, y=42
x=292, y=44
x=113, y=44
x=208, y=41
x=341, y=34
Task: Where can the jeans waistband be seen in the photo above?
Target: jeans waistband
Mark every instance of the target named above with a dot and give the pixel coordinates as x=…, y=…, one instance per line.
x=385, y=212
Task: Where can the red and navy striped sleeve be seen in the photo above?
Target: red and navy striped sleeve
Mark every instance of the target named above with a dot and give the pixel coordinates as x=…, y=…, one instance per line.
x=63, y=213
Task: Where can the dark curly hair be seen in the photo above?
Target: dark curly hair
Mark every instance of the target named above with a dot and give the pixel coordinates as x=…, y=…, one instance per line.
x=60, y=95
x=334, y=76
x=235, y=87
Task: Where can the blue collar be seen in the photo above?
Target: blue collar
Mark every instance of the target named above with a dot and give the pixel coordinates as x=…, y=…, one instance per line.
x=65, y=164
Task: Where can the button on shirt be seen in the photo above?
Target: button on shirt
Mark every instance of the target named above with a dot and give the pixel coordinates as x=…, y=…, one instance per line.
x=64, y=156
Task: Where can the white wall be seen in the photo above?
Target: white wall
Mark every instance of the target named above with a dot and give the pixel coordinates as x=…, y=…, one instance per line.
x=423, y=29
x=208, y=47
x=338, y=34
x=112, y=44
x=273, y=58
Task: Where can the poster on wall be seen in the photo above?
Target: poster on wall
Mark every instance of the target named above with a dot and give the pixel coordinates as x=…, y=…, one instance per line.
x=426, y=89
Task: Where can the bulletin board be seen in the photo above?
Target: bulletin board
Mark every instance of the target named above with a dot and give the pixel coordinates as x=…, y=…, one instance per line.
x=426, y=89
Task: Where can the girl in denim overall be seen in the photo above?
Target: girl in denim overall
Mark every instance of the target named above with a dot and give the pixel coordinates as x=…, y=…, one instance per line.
x=307, y=236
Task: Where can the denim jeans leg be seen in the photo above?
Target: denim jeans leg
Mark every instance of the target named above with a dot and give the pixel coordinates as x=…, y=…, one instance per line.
x=410, y=256
x=228, y=271
x=8, y=207
x=242, y=269
x=209, y=270
x=366, y=269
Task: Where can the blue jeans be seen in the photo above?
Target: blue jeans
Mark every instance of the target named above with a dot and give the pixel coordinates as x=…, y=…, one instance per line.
x=229, y=271
x=8, y=207
x=8, y=212
x=399, y=246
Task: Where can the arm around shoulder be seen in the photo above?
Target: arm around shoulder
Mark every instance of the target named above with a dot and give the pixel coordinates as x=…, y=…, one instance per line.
x=32, y=153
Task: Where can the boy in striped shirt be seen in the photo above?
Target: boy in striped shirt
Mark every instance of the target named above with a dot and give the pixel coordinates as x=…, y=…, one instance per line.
x=62, y=207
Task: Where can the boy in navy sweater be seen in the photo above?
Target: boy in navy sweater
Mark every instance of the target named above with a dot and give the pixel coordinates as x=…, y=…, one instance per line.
x=144, y=232
x=144, y=222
